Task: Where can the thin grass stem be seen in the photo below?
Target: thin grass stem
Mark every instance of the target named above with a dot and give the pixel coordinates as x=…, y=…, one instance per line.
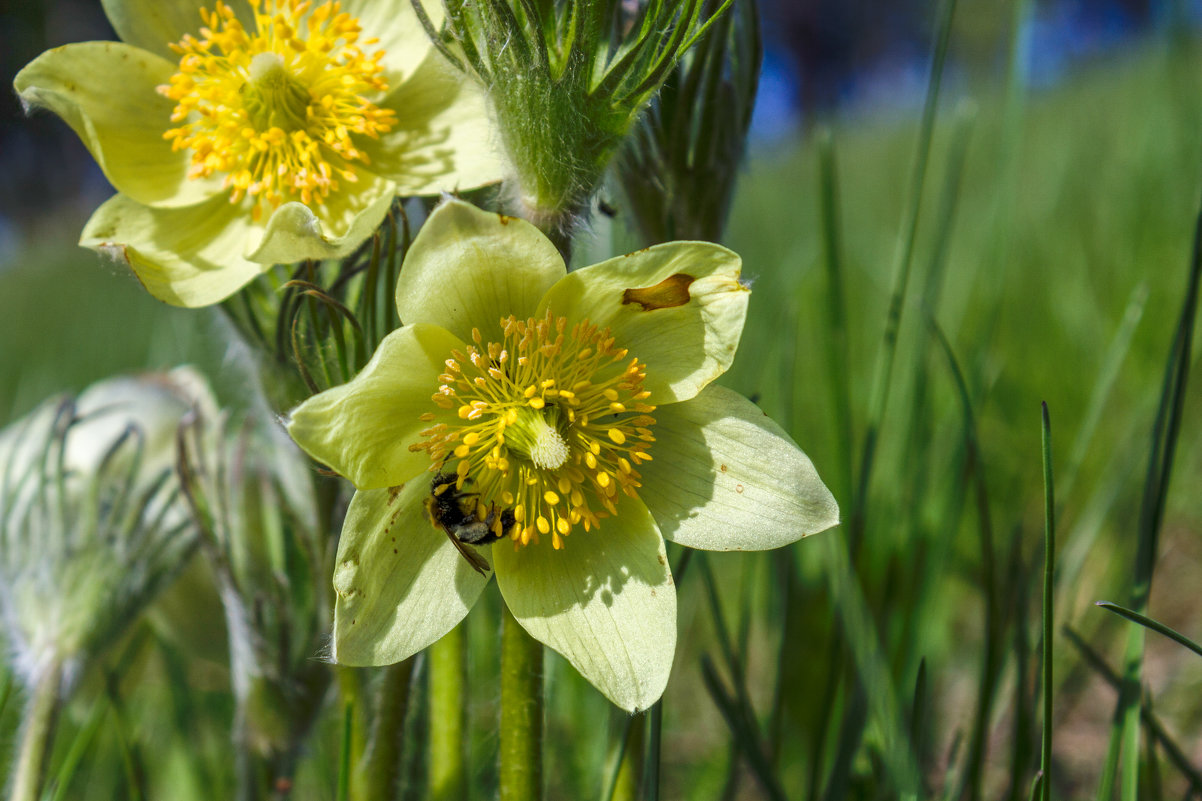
x=879, y=398
x=1163, y=448
x=1049, y=565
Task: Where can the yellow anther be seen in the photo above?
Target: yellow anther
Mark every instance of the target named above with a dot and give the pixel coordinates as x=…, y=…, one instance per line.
x=530, y=454
x=272, y=110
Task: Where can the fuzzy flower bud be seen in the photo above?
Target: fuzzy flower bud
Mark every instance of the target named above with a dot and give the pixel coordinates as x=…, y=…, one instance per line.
x=91, y=523
x=567, y=82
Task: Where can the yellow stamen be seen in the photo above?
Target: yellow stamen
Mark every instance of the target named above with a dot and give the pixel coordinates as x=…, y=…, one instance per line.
x=276, y=108
x=557, y=458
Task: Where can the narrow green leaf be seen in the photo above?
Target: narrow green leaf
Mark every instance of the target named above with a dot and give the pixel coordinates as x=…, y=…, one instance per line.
x=879, y=397
x=344, y=760
x=1163, y=448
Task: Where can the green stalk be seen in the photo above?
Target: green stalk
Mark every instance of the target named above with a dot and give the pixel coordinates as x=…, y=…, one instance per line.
x=838, y=354
x=448, y=716
x=41, y=715
x=1049, y=564
x=377, y=775
x=1125, y=735
x=879, y=398
x=627, y=771
x=521, y=769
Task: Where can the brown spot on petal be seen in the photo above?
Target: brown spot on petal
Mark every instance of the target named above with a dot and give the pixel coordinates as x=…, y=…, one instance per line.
x=670, y=292
x=504, y=219
x=722, y=468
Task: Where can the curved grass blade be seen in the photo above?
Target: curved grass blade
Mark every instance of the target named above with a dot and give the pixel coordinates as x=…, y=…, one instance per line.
x=1154, y=625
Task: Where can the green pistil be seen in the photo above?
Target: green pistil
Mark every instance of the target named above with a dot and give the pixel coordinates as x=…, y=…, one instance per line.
x=273, y=98
x=536, y=437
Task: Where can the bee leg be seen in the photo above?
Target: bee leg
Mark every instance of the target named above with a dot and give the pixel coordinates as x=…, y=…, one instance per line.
x=478, y=563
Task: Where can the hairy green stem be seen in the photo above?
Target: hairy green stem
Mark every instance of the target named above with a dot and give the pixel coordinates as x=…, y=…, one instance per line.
x=521, y=713
x=41, y=715
x=448, y=715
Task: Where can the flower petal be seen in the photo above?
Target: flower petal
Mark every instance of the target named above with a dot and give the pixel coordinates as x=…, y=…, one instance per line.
x=678, y=307
x=444, y=138
x=402, y=38
x=343, y=222
x=106, y=92
x=401, y=583
x=606, y=602
x=363, y=429
x=154, y=24
x=469, y=268
x=186, y=257
x=725, y=477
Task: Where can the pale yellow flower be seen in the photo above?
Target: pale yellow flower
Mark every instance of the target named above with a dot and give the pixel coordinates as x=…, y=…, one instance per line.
x=574, y=418
x=257, y=132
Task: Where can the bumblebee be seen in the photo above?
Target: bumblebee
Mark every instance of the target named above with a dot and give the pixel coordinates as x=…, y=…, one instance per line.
x=455, y=512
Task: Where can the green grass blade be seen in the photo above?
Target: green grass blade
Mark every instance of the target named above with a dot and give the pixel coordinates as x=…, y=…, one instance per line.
x=1154, y=625
x=654, y=750
x=1116, y=354
x=655, y=722
x=623, y=773
x=991, y=660
x=79, y=747
x=878, y=400
x=1049, y=564
x=864, y=642
x=745, y=738
x=1165, y=433
x=344, y=759
x=838, y=355
x=1175, y=753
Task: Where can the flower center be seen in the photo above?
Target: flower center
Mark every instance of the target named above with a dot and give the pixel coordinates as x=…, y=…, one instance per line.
x=276, y=109
x=550, y=423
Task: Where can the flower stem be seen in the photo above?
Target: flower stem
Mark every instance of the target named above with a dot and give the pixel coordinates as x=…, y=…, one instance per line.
x=521, y=713
x=378, y=772
x=41, y=714
x=448, y=708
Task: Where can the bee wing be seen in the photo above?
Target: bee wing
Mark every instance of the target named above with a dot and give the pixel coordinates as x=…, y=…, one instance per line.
x=478, y=562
